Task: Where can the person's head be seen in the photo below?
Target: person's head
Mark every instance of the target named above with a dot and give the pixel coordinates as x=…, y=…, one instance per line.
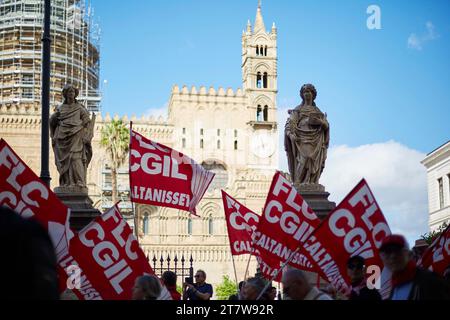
x=28, y=268
x=147, y=287
x=308, y=93
x=356, y=269
x=295, y=284
x=169, y=278
x=70, y=93
x=200, y=277
x=272, y=294
x=395, y=253
x=252, y=288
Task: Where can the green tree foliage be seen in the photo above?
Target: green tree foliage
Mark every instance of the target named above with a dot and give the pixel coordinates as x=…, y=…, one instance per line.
x=431, y=236
x=115, y=139
x=226, y=288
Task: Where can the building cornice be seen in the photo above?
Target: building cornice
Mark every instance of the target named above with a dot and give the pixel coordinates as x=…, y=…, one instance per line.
x=438, y=155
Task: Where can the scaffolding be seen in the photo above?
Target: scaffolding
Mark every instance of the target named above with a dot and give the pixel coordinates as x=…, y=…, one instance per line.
x=74, y=53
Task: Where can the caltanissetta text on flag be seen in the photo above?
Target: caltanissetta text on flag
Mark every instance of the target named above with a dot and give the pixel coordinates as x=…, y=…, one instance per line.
x=162, y=176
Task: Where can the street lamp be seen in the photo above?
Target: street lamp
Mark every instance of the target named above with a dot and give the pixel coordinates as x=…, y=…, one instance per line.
x=45, y=98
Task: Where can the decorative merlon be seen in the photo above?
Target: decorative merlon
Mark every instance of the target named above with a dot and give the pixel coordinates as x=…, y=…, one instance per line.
x=143, y=119
x=202, y=91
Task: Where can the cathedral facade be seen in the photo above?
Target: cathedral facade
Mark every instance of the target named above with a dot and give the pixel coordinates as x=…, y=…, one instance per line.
x=230, y=132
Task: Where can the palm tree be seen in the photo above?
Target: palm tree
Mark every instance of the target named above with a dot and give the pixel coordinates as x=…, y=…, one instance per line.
x=115, y=138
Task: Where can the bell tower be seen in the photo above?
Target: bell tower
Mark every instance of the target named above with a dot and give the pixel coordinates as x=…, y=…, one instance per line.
x=259, y=68
x=259, y=77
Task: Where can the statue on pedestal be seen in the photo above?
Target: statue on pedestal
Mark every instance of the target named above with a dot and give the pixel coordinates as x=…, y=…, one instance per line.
x=307, y=138
x=71, y=131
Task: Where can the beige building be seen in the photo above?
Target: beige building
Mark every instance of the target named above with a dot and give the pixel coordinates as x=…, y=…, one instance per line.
x=231, y=132
x=438, y=176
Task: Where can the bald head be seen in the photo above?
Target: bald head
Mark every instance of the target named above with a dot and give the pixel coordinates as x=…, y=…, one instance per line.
x=295, y=284
x=252, y=288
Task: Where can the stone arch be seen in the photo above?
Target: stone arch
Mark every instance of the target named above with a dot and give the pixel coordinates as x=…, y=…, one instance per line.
x=210, y=211
x=263, y=100
x=209, y=208
x=262, y=67
x=261, y=40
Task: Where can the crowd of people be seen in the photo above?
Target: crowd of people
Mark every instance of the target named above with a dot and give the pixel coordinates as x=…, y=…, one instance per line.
x=408, y=281
x=27, y=245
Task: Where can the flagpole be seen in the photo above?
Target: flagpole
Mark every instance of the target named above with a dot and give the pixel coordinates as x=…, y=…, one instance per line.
x=235, y=273
x=248, y=265
x=278, y=271
x=289, y=260
x=136, y=224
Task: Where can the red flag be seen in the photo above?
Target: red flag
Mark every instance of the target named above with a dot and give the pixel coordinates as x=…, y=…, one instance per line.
x=164, y=177
x=241, y=223
x=287, y=221
x=356, y=227
x=22, y=191
x=437, y=256
x=109, y=257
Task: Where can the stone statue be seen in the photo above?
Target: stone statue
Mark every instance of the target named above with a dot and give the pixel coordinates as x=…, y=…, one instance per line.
x=306, y=141
x=72, y=130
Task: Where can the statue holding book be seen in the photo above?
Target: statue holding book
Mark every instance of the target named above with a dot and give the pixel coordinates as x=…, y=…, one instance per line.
x=307, y=138
x=72, y=130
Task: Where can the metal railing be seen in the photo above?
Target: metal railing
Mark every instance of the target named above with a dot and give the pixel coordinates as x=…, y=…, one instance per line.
x=179, y=266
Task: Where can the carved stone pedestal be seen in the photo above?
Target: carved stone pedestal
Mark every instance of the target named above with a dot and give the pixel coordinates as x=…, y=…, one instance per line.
x=81, y=206
x=317, y=199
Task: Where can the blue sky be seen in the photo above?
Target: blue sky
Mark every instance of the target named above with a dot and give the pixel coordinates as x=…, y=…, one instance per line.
x=386, y=92
x=373, y=86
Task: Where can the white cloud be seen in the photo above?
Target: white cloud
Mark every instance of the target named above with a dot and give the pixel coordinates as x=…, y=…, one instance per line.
x=158, y=112
x=414, y=42
x=392, y=170
x=418, y=41
x=395, y=175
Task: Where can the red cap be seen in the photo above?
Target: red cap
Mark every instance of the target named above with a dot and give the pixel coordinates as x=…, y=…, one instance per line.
x=396, y=240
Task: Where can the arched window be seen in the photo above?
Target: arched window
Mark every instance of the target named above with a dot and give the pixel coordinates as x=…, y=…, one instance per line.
x=257, y=50
x=218, y=144
x=235, y=133
x=184, y=142
x=235, y=145
x=258, y=80
x=265, y=80
x=265, y=51
x=266, y=113
x=210, y=226
x=259, y=113
x=189, y=226
x=201, y=143
x=145, y=224
x=220, y=180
